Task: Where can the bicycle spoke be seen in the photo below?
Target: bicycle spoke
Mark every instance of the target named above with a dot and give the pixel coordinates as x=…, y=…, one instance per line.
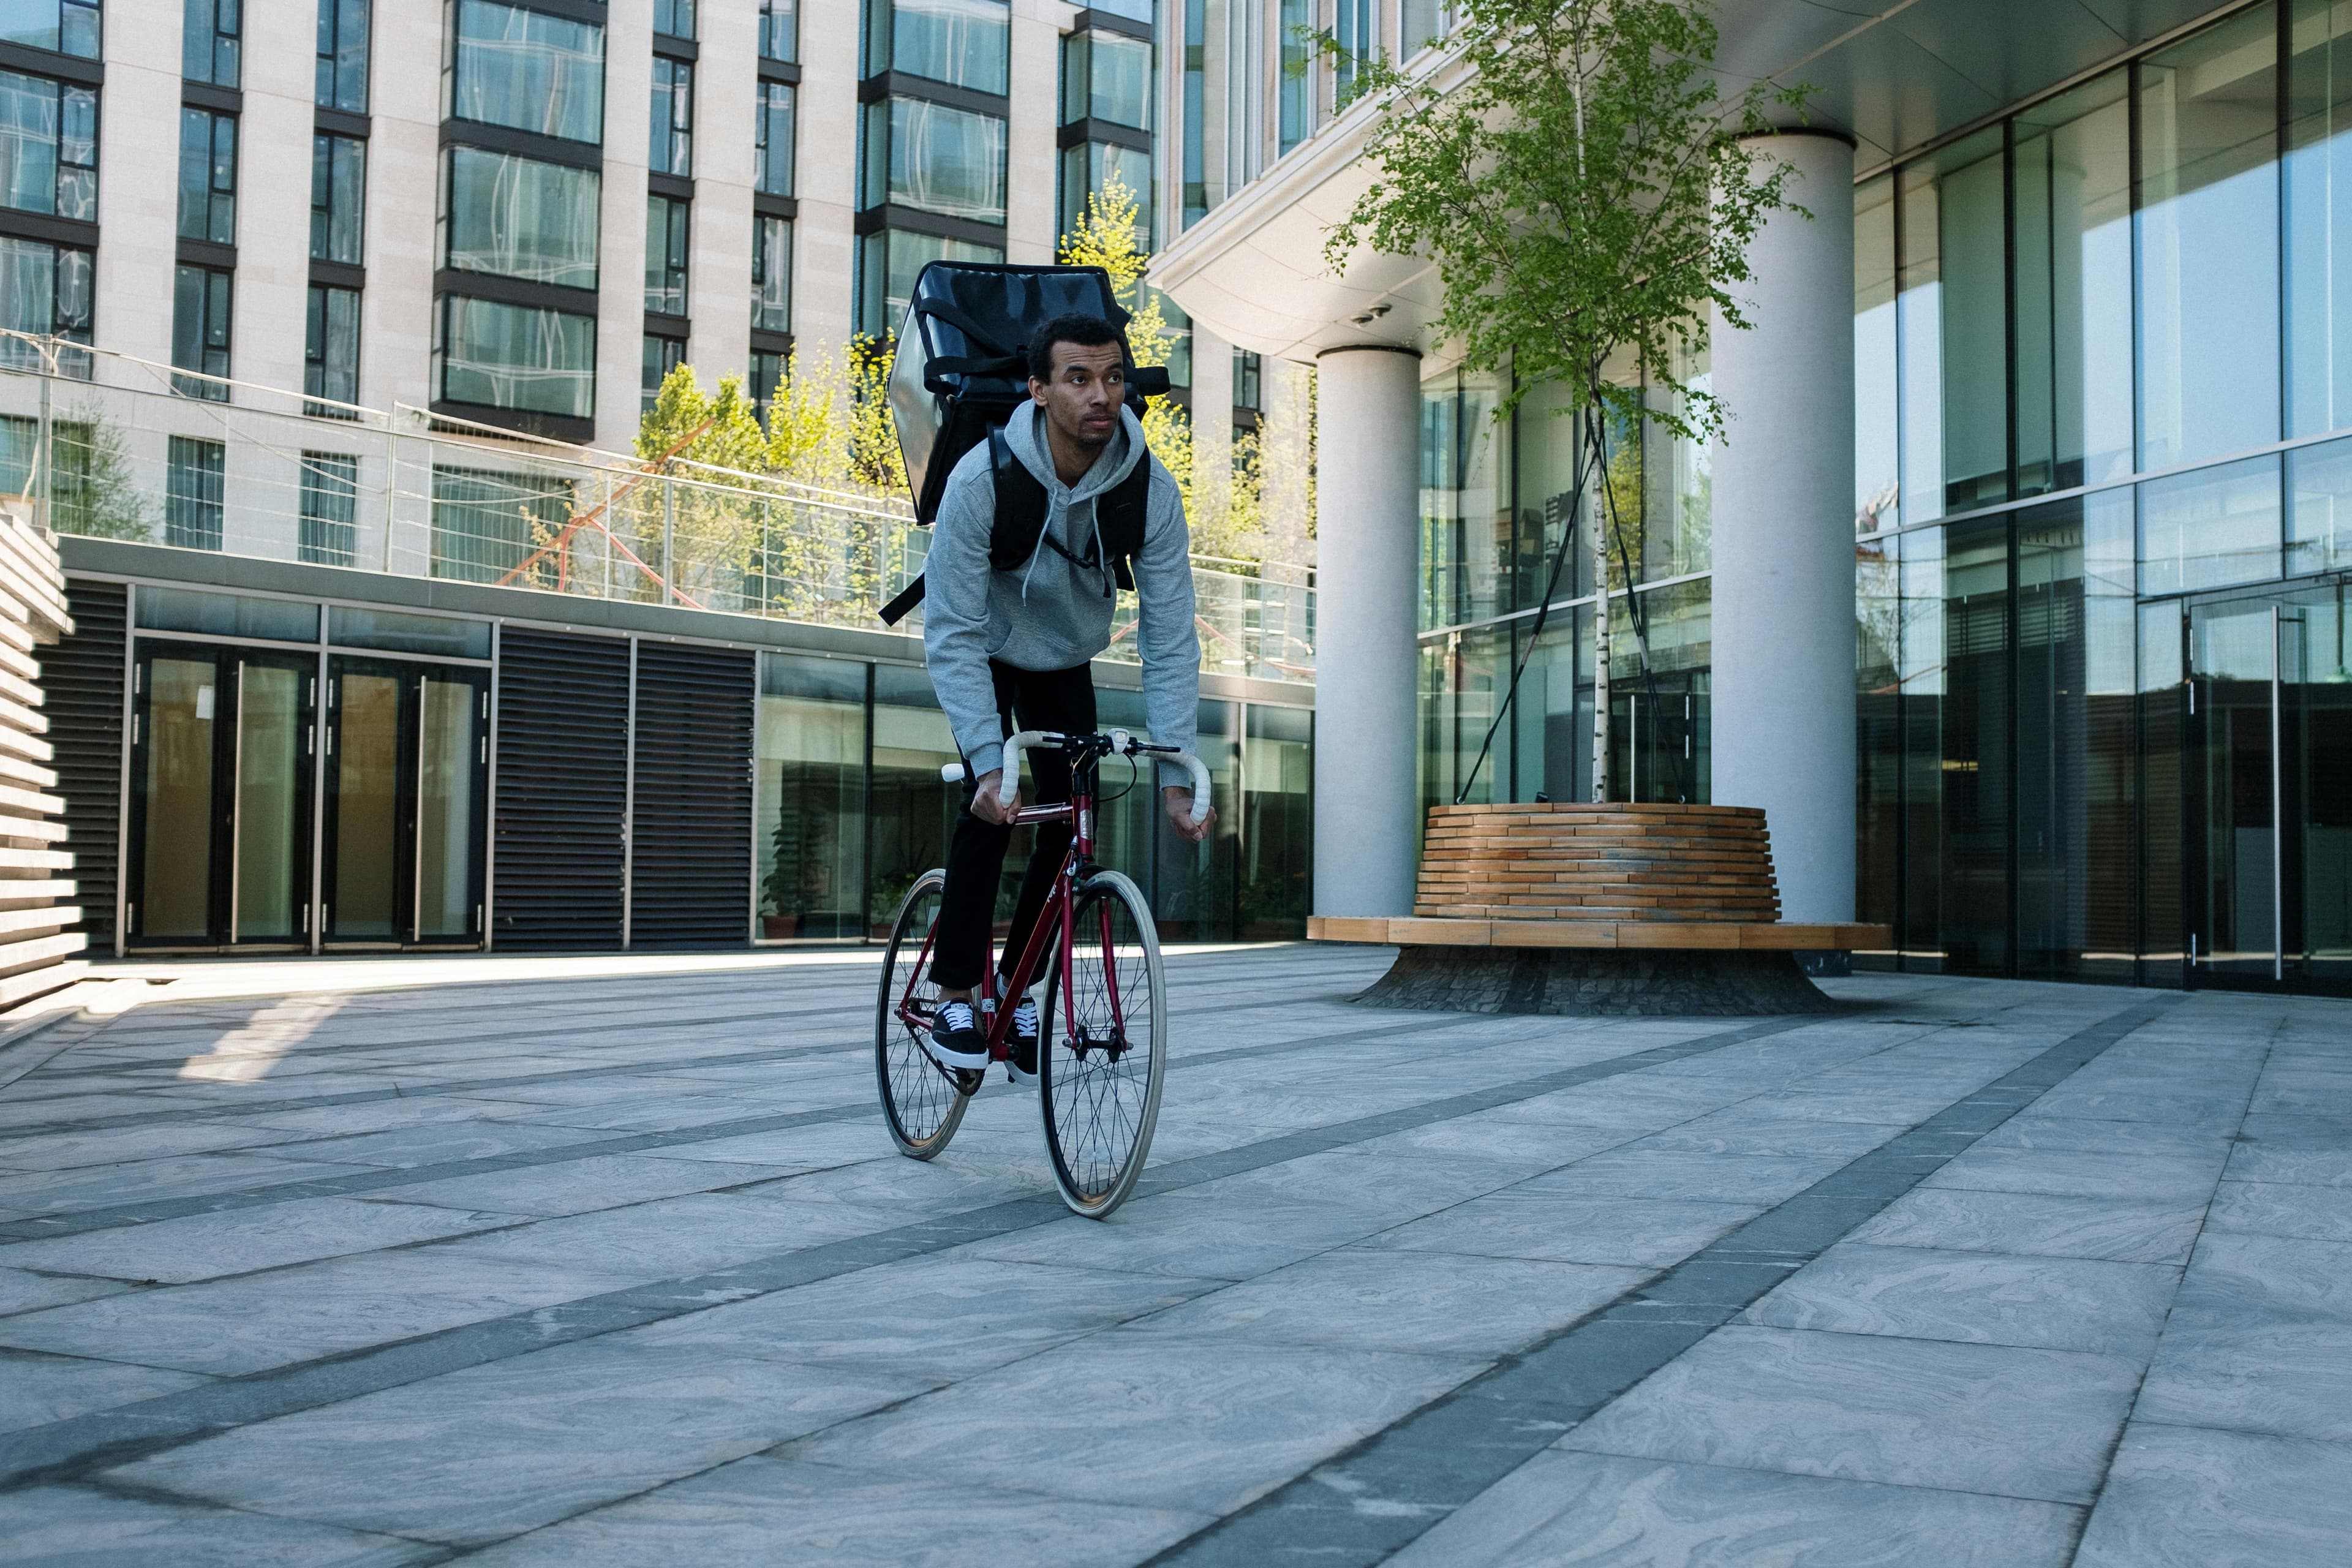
x=1102, y=1089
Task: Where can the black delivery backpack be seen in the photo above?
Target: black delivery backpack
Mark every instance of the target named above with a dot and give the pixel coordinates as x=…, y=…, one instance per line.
x=961, y=369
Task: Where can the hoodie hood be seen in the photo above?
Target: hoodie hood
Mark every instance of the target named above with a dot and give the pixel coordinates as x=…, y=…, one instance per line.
x=1024, y=434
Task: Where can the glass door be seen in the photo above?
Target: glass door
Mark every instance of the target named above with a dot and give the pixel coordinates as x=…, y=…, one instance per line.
x=407, y=773
x=221, y=743
x=2270, y=741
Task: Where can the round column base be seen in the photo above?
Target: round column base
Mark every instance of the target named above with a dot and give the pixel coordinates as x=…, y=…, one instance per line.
x=1597, y=982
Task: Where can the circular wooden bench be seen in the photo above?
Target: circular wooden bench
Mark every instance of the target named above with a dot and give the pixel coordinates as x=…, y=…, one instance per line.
x=1569, y=908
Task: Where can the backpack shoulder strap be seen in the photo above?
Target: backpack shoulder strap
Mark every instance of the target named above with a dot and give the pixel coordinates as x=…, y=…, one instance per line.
x=1020, y=506
x=1125, y=513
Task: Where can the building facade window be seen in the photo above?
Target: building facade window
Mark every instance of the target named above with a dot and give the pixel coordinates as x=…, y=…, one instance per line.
x=212, y=42
x=963, y=43
x=207, y=176
x=935, y=159
x=527, y=71
x=194, y=486
x=343, y=67
x=200, y=332
x=337, y=199
x=60, y=26
x=44, y=290
x=519, y=218
x=1249, y=381
x=889, y=261
x=671, y=150
x=674, y=19
x=330, y=350
x=331, y=505
x=49, y=147
x=661, y=355
x=767, y=371
x=528, y=360
x=1091, y=168
x=1107, y=75
x=771, y=137
x=666, y=218
x=780, y=30
x=772, y=275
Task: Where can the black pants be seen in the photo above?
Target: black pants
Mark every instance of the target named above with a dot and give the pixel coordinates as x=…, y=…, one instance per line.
x=1058, y=700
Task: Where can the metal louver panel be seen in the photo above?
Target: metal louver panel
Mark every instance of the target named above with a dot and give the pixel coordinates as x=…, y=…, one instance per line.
x=81, y=681
x=690, y=881
x=562, y=788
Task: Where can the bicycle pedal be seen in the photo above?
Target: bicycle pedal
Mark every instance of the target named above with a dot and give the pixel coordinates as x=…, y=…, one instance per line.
x=969, y=1079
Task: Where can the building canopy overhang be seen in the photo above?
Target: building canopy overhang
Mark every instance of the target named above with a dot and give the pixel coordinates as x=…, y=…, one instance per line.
x=1896, y=74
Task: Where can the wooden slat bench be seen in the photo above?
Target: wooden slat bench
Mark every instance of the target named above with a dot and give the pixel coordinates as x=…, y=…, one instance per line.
x=1560, y=906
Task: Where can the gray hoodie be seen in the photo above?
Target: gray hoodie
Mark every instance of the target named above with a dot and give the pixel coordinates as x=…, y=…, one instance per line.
x=1051, y=613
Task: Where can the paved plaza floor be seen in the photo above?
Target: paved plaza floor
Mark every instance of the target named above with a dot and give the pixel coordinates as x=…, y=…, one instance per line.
x=575, y=1264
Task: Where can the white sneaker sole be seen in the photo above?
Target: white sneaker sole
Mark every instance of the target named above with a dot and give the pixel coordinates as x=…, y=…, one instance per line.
x=947, y=1059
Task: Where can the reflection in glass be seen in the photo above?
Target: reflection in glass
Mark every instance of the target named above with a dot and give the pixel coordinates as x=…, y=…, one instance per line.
x=2319, y=509
x=338, y=197
x=268, y=785
x=175, y=897
x=912, y=812
x=959, y=42
x=2072, y=214
x=2211, y=528
x=771, y=276
x=935, y=159
x=447, y=752
x=366, y=780
x=2209, y=325
x=1192, y=889
x=1876, y=455
x=2318, y=174
x=514, y=356
x=1955, y=266
x=1976, y=746
x=1277, y=823
x=519, y=217
x=887, y=265
x=810, y=845
x=529, y=70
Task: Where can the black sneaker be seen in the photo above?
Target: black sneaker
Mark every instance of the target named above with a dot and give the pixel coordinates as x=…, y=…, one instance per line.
x=1022, y=1067
x=955, y=1039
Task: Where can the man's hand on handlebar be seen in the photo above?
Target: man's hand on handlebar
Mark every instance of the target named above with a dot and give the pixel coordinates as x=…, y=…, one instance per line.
x=1178, y=802
x=984, y=804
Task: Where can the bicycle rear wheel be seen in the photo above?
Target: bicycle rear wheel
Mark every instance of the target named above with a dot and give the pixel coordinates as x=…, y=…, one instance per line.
x=1103, y=1047
x=921, y=1103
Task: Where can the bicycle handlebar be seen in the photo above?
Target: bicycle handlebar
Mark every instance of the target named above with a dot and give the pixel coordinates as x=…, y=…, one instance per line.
x=1121, y=744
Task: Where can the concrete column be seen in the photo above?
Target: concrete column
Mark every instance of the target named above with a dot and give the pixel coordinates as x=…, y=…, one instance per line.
x=1783, y=699
x=1367, y=799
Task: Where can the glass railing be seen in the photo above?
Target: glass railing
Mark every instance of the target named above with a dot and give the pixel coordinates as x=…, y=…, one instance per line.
x=107, y=448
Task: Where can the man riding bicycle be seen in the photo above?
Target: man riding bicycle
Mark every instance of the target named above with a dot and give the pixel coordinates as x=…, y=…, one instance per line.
x=1010, y=649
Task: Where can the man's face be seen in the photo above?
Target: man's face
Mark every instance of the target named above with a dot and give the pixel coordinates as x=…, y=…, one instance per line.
x=1082, y=400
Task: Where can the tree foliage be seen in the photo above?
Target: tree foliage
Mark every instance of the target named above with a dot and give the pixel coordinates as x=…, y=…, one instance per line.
x=1588, y=195
x=1583, y=191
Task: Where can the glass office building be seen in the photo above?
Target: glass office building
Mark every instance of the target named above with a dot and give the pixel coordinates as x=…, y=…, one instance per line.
x=2102, y=499
x=2102, y=507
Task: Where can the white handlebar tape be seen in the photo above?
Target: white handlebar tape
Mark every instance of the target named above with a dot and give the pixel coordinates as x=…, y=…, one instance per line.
x=1008, y=783
x=952, y=772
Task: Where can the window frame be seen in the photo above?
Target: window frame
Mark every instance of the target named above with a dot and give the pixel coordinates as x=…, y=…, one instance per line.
x=327, y=84
x=767, y=276
x=215, y=332
x=675, y=233
x=219, y=200
x=318, y=351
x=669, y=148
x=227, y=42
x=765, y=116
x=323, y=167
x=454, y=76
x=93, y=29
x=445, y=309
x=67, y=98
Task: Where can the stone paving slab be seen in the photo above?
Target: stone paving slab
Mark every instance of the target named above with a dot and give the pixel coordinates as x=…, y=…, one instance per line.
x=537, y=1265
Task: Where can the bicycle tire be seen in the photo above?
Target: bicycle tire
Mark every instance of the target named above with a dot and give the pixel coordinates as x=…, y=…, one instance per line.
x=1099, y=1083
x=921, y=1104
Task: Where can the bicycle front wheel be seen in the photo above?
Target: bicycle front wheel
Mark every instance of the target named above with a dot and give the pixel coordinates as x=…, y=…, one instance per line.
x=1104, y=1048
x=921, y=1104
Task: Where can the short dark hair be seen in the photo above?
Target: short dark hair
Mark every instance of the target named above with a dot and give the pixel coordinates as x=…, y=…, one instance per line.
x=1079, y=326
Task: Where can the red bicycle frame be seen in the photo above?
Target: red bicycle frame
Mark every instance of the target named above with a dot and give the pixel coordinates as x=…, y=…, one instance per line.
x=1055, y=919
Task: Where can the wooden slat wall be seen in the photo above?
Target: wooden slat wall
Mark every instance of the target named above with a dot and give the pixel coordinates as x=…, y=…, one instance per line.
x=691, y=866
x=1562, y=862
x=37, y=953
